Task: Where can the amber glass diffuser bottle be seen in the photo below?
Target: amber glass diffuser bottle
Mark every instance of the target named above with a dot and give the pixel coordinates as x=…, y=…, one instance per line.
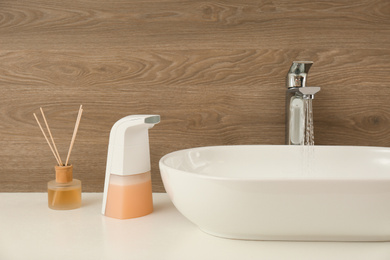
x=64, y=192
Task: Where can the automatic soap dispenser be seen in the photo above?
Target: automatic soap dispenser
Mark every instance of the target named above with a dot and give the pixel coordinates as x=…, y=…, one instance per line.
x=128, y=185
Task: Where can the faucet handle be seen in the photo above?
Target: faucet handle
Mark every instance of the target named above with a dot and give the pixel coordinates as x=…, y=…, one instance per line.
x=299, y=67
x=296, y=76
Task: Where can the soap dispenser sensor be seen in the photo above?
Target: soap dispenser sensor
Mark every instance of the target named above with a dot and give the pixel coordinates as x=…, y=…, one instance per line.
x=128, y=184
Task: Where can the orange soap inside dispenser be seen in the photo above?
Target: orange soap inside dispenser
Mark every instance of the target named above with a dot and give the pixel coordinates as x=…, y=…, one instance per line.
x=129, y=196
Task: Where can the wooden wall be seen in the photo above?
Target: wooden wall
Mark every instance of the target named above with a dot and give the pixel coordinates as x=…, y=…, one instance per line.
x=214, y=70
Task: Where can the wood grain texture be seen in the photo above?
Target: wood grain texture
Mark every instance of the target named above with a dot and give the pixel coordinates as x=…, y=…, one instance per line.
x=188, y=24
x=214, y=70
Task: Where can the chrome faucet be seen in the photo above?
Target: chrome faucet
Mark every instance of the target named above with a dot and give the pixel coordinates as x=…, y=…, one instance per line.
x=298, y=103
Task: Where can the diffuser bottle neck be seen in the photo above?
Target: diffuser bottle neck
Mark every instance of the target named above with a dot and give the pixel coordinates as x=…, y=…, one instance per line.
x=64, y=174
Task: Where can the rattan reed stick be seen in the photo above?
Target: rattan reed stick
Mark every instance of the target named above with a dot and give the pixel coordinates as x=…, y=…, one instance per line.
x=76, y=127
x=47, y=140
x=51, y=137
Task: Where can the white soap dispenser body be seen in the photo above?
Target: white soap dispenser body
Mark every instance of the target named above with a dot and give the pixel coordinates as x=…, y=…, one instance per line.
x=128, y=187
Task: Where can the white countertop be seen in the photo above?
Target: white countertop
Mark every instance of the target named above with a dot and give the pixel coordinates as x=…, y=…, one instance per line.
x=30, y=230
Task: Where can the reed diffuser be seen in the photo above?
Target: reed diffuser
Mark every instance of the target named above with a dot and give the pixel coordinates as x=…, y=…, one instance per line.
x=64, y=192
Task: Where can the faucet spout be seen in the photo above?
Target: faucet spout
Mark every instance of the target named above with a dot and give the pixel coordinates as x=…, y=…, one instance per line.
x=308, y=92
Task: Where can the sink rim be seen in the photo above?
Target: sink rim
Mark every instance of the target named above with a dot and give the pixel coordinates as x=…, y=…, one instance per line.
x=309, y=178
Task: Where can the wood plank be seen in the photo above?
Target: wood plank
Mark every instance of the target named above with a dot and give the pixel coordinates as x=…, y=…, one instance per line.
x=193, y=24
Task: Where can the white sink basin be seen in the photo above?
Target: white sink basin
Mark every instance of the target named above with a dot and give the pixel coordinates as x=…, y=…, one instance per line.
x=259, y=192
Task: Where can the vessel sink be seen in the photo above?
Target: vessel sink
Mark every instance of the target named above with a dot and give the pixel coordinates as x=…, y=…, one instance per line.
x=271, y=192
